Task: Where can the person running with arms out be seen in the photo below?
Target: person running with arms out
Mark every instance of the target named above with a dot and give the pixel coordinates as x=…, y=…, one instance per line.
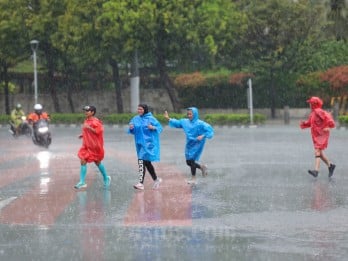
x=146, y=129
x=320, y=123
x=197, y=131
x=92, y=149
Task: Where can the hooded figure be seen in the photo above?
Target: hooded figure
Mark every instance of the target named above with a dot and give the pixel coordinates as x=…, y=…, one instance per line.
x=320, y=123
x=318, y=120
x=193, y=128
x=197, y=131
x=146, y=130
x=147, y=141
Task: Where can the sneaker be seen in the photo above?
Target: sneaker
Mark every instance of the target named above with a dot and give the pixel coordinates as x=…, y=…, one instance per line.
x=80, y=185
x=108, y=181
x=331, y=169
x=139, y=186
x=192, y=181
x=157, y=183
x=314, y=173
x=204, y=170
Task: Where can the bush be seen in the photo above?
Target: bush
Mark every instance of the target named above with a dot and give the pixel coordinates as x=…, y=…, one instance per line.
x=233, y=119
x=343, y=120
x=124, y=118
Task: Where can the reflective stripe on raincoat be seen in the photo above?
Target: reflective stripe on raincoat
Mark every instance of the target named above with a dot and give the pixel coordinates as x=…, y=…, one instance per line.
x=147, y=142
x=193, y=128
x=92, y=149
x=318, y=120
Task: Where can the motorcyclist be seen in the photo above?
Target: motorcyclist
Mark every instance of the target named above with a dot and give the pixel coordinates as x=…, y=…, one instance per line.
x=37, y=114
x=16, y=119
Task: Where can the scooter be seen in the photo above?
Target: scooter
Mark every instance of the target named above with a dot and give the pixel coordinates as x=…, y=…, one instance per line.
x=23, y=129
x=41, y=133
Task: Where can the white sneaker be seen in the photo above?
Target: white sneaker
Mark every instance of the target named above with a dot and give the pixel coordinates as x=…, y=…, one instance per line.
x=192, y=181
x=157, y=183
x=139, y=186
x=204, y=169
x=80, y=185
x=108, y=181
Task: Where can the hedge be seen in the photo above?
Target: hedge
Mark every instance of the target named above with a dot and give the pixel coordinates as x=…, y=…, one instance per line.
x=124, y=118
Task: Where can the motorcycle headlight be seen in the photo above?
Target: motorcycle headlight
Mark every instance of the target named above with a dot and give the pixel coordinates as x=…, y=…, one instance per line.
x=43, y=129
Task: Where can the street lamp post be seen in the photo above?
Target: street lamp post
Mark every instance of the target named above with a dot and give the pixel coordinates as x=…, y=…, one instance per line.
x=250, y=102
x=34, y=45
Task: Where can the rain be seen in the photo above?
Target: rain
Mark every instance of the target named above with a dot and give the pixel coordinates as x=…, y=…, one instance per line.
x=257, y=202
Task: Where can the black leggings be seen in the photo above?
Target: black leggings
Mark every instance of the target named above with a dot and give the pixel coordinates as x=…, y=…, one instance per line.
x=143, y=165
x=193, y=165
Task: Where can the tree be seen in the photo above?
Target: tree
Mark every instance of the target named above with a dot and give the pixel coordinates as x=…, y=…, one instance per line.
x=337, y=15
x=13, y=40
x=277, y=31
x=168, y=33
x=337, y=77
x=42, y=23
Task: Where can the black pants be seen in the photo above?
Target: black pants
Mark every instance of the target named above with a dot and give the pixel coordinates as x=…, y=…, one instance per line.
x=143, y=165
x=193, y=165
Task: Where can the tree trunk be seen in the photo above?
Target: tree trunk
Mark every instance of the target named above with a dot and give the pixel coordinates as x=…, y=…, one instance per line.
x=118, y=85
x=6, y=90
x=70, y=85
x=50, y=79
x=272, y=95
x=167, y=83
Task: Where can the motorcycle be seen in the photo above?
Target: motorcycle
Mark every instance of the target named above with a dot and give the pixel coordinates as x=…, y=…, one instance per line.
x=23, y=129
x=42, y=135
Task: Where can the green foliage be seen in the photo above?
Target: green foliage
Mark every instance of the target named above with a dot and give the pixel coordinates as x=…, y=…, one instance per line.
x=343, y=120
x=4, y=119
x=124, y=118
x=233, y=119
x=66, y=118
x=11, y=87
x=212, y=90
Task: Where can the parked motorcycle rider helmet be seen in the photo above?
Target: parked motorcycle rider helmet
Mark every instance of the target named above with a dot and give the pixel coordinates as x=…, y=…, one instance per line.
x=38, y=108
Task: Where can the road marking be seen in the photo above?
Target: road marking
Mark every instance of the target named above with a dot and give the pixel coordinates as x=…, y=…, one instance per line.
x=5, y=202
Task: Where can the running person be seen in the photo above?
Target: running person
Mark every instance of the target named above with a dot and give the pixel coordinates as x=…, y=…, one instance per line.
x=92, y=149
x=146, y=129
x=197, y=131
x=320, y=123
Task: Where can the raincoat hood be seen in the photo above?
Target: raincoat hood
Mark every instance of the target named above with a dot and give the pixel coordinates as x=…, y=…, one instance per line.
x=145, y=107
x=194, y=113
x=315, y=102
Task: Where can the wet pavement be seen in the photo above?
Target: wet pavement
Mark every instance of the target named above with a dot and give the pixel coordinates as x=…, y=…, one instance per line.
x=257, y=202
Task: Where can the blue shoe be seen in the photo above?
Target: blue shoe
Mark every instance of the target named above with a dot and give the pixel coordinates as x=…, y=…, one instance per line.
x=80, y=185
x=108, y=181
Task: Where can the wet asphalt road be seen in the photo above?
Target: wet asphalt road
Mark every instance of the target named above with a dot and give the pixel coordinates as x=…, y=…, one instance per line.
x=257, y=202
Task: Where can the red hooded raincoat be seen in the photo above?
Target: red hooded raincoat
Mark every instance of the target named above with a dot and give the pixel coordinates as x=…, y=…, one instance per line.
x=318, y=120
x=92, y=149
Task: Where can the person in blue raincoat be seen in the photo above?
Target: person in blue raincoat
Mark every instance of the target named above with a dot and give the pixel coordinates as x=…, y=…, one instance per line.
x=146, y=129
x=197, y=131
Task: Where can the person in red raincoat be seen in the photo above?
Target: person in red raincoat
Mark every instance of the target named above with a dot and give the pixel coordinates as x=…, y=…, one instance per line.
x=320, y=123
x=92, y=149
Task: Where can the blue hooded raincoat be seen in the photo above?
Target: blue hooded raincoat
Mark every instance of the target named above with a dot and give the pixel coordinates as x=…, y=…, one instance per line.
x=193, y=128
x=147, y=141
